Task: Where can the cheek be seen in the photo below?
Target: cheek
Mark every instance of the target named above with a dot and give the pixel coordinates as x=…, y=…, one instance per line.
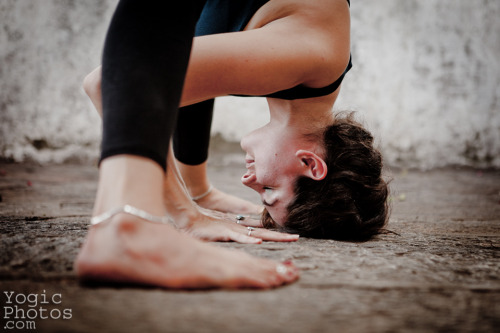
x=267, y=172
x=276, y=163
x=268, y=177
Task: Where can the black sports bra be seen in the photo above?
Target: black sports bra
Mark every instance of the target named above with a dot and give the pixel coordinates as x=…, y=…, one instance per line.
x=300, y=91
x=220, y=16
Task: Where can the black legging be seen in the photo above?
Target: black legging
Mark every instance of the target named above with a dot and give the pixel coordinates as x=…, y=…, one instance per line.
x=192, y=133
x=145, y=58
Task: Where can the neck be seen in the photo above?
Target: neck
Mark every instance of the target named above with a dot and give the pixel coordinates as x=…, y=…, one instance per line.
x=306, y=116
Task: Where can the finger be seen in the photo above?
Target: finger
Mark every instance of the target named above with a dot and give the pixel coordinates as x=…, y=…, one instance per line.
x=243, y=238
x=274, y=236
x=251, y=223
x=247, y=221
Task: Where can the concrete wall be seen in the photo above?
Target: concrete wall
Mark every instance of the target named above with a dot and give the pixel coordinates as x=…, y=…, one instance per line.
x=425, y=80
x=47, y=47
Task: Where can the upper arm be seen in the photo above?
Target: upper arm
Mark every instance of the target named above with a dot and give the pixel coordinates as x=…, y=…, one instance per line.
x=275, y=57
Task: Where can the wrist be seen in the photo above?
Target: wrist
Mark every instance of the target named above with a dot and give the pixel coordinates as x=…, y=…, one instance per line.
x=184, y=217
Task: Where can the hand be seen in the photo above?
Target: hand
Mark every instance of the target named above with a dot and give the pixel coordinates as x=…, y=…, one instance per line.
x=216, y=226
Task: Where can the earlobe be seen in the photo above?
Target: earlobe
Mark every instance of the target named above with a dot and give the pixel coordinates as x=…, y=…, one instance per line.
x=314, y=166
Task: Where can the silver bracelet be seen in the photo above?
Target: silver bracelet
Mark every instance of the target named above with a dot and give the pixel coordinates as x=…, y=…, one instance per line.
x=201, y=196
x=132, y=211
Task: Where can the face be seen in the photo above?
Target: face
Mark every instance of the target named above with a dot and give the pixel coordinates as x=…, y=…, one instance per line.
x=272, y=168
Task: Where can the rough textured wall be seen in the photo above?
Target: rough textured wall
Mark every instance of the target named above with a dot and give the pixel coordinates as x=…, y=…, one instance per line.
x=47, y=47
x=425, y=80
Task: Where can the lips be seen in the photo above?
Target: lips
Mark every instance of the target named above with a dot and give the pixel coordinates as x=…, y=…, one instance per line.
x=249, y=162
x=249, y=177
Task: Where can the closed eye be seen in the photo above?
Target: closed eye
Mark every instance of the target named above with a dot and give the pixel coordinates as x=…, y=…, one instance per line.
x=265, y=203
x=268, y=191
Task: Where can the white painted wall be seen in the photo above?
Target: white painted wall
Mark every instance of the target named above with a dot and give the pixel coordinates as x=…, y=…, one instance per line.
x=426, y=80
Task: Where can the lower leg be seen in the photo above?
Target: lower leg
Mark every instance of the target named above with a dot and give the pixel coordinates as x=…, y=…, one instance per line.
x=198, y=185
x=132, y=180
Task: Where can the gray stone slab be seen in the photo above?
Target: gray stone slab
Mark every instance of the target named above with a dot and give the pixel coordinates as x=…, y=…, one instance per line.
x=438, y=271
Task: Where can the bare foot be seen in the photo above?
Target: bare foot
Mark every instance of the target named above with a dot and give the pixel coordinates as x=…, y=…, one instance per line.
x=126, y=249
x=226, y=203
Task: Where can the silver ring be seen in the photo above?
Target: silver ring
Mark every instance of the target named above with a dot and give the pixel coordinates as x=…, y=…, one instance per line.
x=250, y=229
x=239, y=218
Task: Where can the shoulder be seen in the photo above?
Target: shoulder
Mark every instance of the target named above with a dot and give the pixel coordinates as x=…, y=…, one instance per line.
x=320, y=28
x=319, y=11
x=298, y=42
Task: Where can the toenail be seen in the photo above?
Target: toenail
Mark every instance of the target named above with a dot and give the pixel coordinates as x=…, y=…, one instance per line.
x=281, y=269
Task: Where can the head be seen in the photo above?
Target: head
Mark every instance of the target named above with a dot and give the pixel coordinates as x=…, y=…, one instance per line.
x=350, y=201
x=277, y=155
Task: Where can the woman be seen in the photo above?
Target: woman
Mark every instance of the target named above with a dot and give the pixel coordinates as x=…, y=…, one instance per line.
x=286, y=44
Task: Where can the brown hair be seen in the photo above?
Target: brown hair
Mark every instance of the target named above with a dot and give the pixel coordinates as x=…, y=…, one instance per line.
x=350, y=203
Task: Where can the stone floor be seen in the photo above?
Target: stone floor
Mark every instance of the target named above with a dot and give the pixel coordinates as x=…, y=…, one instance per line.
x=439, y=271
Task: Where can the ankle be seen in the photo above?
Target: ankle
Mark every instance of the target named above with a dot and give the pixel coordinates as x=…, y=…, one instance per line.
x=132, y=180
x=201, y=195
x=195, y=178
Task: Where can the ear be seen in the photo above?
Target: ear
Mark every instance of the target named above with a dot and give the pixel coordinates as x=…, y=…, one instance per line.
x=314, y=166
